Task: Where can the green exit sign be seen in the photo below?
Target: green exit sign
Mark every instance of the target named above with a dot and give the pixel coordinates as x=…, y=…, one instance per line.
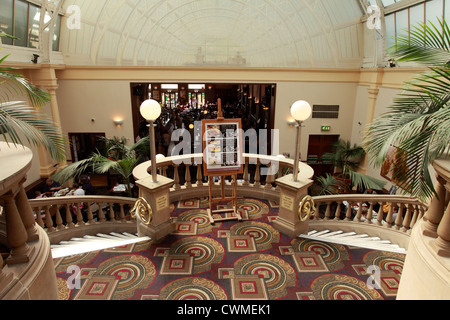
x=326, y=128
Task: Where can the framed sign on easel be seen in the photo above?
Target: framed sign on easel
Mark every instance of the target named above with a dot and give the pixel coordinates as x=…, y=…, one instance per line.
x=222, y=157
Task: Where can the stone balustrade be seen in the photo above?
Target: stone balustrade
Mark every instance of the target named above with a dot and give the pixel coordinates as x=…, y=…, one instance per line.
x=66, y=217
x=26, y=247
x=258, y=179
x=426, y=273
x=28, y=226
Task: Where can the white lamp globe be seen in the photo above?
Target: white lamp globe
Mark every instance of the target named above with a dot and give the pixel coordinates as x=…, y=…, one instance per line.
x=301, y=110
x=150, y=110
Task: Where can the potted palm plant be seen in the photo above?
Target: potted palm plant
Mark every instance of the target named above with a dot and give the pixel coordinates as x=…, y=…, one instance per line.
x=22, y=120
x=346, y=159
x=418, y=121
x=117, y=156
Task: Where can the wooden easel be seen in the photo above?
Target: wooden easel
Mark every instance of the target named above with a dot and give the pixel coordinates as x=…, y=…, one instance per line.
x=235, y=215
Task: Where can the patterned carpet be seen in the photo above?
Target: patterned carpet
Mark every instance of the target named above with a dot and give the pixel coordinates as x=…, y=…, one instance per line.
x=248, y=260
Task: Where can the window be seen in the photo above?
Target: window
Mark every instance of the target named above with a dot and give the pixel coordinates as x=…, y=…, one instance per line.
x=6, y=19
x=20, y=19
x=400, y=22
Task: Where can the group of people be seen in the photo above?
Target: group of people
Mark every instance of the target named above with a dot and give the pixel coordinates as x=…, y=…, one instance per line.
x=81, y=188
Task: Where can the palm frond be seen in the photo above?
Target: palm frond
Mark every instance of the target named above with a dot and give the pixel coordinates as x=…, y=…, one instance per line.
x=330, y=185
x=418, y=122
x=14, y=84
x=17, y=119
x=427, y=44
x=365, y=181
x=73, y=170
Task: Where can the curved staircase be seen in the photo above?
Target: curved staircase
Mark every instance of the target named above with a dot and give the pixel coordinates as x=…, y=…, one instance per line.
x=94, y=243
x=354, y=239
x=106, y=241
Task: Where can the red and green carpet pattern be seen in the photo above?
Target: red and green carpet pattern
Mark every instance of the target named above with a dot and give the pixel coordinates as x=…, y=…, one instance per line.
x=232, y=260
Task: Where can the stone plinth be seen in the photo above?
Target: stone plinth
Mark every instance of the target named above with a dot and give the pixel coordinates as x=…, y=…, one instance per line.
x=292, y=193
x=157, y=196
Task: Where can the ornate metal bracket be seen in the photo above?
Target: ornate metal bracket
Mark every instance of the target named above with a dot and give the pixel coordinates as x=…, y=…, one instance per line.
x=143, y=210
x=306, y=208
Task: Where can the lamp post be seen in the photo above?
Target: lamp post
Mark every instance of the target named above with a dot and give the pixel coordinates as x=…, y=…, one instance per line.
x=150, y=111
x=300, y=111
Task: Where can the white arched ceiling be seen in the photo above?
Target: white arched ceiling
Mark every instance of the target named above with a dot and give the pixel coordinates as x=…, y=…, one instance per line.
x=252, y=33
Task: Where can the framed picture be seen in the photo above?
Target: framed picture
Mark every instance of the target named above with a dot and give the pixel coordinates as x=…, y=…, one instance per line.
x=222, y=147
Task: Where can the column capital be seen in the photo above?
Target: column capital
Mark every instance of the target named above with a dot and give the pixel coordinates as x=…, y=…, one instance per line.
x=373, y=92
x=45, y=77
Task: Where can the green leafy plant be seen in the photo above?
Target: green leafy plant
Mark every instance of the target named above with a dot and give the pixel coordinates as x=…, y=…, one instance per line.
x=346, y=160
x=330, y=185
x=117, y=156
x=20, y=119
x=418, y=121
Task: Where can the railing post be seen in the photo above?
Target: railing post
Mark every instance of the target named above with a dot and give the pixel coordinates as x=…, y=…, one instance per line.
x=442, y=243
x=199, y=175
x=176, y=177
x=26, y=214
x=269, y=176
x=337, y=214
x=245, y=175
x=187, y=175
x=257, y=174
x=292, y=193
x=158, y=223
x=16, y=234
x=434, y=214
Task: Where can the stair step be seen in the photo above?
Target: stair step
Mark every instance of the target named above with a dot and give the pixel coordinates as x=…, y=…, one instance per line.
x=94, y=243
x=353, y=239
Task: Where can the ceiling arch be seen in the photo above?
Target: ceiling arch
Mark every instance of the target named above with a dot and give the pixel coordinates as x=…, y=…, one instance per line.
x=251, y=33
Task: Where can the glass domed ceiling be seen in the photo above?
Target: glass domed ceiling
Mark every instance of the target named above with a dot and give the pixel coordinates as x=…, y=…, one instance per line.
x=249, y=33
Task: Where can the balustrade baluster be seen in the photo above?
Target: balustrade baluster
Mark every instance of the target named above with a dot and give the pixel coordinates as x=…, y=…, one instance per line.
x=359, y=212
x=328, y=211
x=389, y=218
x=245, y=175
x=257, y=175
x=48, y=220
x=176, y=177
x=199, y=175
x=58, y=219
x=80, y=221
x=337, y=214
x=69, y=218
x=39, y=221
x=399, y=219
x=187, y=176
x=407, y=220
x=23, y=205
x=380, y=215
x=369, y=215
x=112, y=215
x=16, y=234
x=121, y=213
x=269, y=177
x=442, y=243
x=415, y=215
x=436, y=210
x=101, y=214
x=90, y=216
x=348, y=213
